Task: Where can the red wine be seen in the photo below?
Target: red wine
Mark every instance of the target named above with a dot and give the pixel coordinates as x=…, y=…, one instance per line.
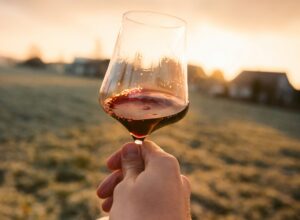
x=142, y=111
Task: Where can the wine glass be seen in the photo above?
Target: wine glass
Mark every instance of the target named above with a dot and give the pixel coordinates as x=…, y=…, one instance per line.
x=145, y=85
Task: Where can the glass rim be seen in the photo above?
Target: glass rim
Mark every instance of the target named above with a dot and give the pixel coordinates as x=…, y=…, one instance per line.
x=179, y=21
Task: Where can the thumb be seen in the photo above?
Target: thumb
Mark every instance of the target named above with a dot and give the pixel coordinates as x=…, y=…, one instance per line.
x=132, y=161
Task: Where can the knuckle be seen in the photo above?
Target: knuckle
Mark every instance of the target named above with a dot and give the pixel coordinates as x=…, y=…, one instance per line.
x=119, y=188
x=171, y=162
x=133, y=165
x=186, y=183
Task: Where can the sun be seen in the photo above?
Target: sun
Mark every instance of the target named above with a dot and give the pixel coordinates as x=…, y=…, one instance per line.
x=214, y=48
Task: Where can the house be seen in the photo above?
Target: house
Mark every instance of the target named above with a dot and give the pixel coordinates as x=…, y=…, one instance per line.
x=7, y=61
x=57, y=67
x=262, y=87
x=196, y=77
x=88, y=67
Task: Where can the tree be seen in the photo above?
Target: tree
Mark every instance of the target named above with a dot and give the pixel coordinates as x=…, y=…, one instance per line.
x=97, y=50
x=34, y=58
x=218, y=75
x=34, y=52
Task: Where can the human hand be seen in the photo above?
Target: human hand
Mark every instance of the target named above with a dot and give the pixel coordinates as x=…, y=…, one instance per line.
x=145, y=184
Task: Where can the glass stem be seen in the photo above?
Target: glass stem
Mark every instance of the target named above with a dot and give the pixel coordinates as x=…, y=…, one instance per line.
x=139, y=142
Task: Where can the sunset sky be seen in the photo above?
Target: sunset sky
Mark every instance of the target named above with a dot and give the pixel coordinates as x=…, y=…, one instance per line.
x=230, y=35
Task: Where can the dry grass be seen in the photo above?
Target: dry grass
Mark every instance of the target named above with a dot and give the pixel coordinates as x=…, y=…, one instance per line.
x=243, y=160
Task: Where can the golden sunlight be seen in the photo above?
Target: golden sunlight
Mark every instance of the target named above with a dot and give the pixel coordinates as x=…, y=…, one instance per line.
x=217, y=38
x=215, y=48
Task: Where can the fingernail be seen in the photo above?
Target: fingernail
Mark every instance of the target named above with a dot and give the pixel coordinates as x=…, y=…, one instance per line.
x=130, y=151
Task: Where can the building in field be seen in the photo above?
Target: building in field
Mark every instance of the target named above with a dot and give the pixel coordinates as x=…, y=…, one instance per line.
x=87, y=67
x=196, y=77
x=263, y=87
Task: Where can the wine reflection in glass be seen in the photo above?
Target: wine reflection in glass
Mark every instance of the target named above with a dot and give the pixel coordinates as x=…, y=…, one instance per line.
x=145, y=86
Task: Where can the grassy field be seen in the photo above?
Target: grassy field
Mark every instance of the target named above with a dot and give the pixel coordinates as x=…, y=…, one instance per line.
x=243, y=160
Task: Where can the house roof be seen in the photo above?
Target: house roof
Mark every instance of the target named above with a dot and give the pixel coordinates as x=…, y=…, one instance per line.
x=246, y=78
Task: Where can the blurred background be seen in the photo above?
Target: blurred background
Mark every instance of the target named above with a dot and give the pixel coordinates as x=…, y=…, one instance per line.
x=239, y=143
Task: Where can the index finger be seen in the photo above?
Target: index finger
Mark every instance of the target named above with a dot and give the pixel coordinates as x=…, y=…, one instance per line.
x=114, y=162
